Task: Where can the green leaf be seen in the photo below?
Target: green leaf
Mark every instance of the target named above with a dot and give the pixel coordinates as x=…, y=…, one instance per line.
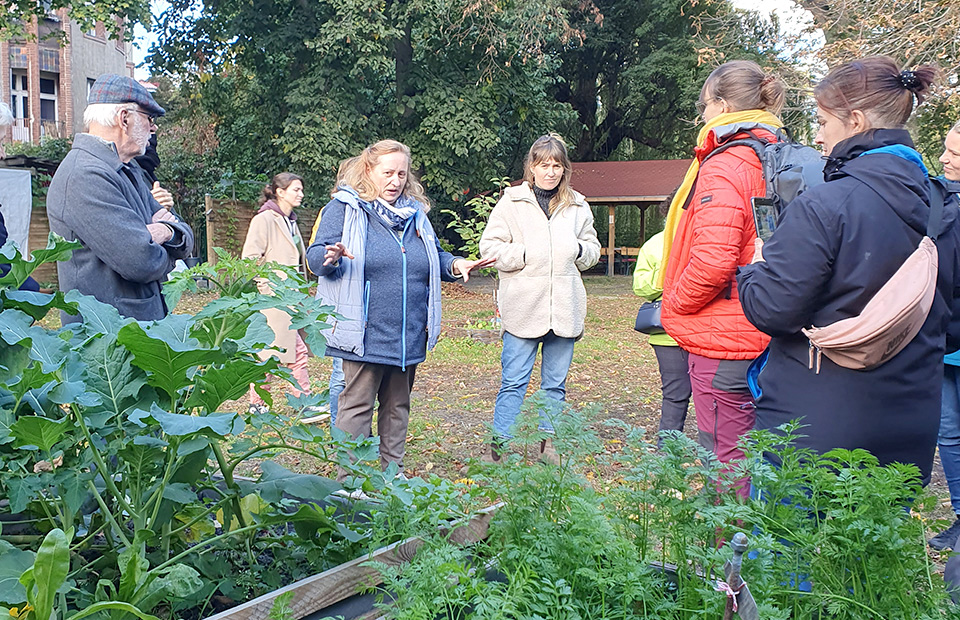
x=13, y=562
x=176, y=583
x=6, y=421
x=192, y=445
x=167, y=352
x=70, y=392
x=102, y=606
x=72, y=487
x=13, y=359
x=38, y=431
x=58, y=249
x=133, y=569
x=45, y=347
x=21, y=491
x=109, y=373
x=50, y=569
x=34, y=303
x=218, y=384
x=142, y=461
x=180, y=493
x=98, y=317
x=178, y=424
x=277, y=480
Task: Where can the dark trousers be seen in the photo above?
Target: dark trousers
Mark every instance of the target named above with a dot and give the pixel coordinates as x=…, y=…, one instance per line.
x=366, y=384
x=674, y=387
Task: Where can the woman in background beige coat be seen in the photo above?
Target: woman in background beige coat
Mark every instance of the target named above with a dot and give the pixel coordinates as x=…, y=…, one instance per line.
x=273, y=236
x=541, y=235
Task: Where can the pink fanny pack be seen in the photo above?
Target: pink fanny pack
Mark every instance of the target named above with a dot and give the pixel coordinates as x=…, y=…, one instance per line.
x=895, y=314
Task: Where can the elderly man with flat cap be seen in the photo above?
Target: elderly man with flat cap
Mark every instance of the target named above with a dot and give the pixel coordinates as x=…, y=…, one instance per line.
x=100, y=197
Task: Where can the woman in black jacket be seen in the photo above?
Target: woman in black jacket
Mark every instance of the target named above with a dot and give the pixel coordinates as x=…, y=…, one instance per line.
x=835, y=246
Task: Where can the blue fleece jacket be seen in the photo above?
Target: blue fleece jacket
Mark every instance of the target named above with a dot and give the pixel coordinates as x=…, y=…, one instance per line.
x=396, y=286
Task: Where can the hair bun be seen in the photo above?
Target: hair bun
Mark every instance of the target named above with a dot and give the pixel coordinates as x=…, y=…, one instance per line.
x=910, y=80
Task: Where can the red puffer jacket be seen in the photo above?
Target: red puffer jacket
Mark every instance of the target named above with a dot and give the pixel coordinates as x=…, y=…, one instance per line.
x=701, y=307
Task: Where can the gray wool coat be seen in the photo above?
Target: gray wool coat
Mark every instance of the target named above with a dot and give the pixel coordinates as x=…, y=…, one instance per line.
x=105, y=205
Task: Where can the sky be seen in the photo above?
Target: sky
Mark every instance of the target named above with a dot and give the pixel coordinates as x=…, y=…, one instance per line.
x=792, y=19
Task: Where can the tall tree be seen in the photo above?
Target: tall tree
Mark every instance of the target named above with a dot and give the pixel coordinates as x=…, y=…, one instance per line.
x=307, y=84
x=116, y=15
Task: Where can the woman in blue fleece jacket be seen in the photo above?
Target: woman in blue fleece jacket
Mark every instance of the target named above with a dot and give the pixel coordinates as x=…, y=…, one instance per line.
x=380, y=264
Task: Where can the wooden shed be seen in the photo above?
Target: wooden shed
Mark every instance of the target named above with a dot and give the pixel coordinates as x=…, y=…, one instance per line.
x=639, y=183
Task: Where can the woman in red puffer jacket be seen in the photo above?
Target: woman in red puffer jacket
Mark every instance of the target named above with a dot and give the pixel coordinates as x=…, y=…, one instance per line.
x=714, y=236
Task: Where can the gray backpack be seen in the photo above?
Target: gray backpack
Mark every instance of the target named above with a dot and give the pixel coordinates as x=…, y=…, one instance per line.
x=789, y=168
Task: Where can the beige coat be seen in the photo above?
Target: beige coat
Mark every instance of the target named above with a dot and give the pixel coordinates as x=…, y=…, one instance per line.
x=269, y=240
x=540, y=284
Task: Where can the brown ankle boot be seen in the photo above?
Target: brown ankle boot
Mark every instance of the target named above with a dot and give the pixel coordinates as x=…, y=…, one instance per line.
x=547, y=453
x=493, y=455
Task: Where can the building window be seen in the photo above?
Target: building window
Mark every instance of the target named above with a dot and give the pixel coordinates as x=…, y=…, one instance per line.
x=90, y=83
x=48, y=97
x=19, y=95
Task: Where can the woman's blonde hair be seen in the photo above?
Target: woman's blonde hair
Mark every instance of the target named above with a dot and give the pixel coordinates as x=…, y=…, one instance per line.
x=355, y=172
x=745, y=86
x=545, y=148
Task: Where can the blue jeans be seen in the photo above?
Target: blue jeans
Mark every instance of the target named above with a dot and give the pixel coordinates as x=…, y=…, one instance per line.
x=517, y=360
x=948, y=441
x=337, y=384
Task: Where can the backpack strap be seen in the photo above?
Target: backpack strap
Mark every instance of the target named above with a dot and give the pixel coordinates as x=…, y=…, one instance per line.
x=937, y=197
x=757, y=144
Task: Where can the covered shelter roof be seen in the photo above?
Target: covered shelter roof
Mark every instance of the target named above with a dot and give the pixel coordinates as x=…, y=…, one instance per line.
x=632, y=182
x=621, y=183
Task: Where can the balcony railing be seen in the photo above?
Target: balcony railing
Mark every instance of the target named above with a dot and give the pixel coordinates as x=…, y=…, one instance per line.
x=53, y=129
x=21, y=130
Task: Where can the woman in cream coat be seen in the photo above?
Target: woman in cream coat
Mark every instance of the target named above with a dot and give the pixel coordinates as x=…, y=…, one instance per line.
x=541, y=235
x=273, y=236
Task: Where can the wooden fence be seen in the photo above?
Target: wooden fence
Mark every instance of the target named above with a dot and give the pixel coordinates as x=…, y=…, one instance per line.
x=227, y=223
x=228, y=220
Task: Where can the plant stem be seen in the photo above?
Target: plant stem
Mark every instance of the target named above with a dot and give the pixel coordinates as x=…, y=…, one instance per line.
x=107, y=514
x=232, y=465
x=102, y=466
x=227, y=472
x=205, y=543
x=158, y=494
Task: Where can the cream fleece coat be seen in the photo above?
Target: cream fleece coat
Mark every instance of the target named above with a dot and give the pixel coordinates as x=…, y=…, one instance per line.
x=539, y=262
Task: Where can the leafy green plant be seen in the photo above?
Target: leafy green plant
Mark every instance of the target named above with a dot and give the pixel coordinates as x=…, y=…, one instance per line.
x=470, y=228
x=830, y=536
x=118, y=433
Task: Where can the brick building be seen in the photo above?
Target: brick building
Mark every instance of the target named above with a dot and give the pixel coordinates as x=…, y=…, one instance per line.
x=46, y=82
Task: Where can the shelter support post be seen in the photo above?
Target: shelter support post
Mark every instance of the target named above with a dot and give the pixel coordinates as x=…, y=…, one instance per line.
x=611, y=239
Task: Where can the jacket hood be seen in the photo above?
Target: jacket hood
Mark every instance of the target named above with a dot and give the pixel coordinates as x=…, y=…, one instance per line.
x=900, y=182
x=270, y=205
x=726, y=133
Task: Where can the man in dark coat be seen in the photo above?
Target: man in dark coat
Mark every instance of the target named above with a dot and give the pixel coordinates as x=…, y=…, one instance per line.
x=99, y=197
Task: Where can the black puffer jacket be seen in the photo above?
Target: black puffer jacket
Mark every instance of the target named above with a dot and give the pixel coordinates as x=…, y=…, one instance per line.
x=835, y=247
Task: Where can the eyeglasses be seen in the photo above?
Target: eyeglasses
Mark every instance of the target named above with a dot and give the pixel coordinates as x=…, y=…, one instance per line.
x=702, y=105
x=150, y=117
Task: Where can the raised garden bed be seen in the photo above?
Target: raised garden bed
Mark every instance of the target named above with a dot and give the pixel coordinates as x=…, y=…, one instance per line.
x=320, y=592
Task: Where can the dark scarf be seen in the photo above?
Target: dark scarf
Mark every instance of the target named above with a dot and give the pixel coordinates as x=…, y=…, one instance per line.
x=544, y=196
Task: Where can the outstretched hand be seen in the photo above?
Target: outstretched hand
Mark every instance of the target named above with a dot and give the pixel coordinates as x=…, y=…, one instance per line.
x=463, y=267
x=334, y=252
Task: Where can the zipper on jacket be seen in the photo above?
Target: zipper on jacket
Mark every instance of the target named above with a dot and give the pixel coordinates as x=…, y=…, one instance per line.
x=403, y=314
x=366, y=303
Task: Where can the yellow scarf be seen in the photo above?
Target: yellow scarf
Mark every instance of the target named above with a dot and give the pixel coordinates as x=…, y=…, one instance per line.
x=680, y=198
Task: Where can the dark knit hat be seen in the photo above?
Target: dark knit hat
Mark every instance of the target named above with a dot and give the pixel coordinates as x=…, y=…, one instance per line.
x=110, y=88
